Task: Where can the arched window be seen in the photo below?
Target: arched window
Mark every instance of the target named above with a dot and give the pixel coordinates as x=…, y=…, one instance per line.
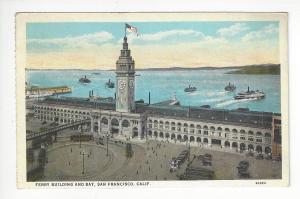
x=104, y=121
x=114, y=122
x=258, y=133
x=267, y=134
x=125, y=123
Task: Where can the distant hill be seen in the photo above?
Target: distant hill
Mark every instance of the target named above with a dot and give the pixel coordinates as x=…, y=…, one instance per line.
x=264, y=69
x=273, y=69
x=186, y=68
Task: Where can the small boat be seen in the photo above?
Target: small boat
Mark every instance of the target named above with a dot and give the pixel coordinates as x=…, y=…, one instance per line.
x=110, y=84
x=190, y=89
x=174, y=101
x=84, y=80
x=250, y=94
x=230, y=87
x=96, y=73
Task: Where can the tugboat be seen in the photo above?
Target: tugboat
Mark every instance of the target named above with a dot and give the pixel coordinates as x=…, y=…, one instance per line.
x=84, y=80
x=250, y=94
x=230, y=87
x=110, y=84
x=190, y=89
x=174, y=101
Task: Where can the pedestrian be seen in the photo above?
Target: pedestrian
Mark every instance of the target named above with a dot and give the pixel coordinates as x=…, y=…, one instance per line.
x=156, y=177
x=71, y=149
x=137, y=172
x=69, y=163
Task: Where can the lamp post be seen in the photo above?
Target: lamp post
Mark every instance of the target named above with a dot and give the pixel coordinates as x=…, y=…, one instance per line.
x=80, y=136
x=83, y=162
x=107, y=144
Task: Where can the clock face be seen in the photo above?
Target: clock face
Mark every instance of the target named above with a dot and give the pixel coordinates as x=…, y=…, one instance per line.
x=131, y=83
x=122, y=84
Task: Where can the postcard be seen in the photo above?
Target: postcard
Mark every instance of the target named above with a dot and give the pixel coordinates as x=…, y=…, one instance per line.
x=186, y=99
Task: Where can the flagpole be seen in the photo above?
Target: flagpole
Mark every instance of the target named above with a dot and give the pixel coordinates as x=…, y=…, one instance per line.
x=125, y=29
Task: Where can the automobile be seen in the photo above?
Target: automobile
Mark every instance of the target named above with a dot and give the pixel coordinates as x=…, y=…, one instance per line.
x=259, y=157
x=99, y=142
x=173, y=164
x=268, y=157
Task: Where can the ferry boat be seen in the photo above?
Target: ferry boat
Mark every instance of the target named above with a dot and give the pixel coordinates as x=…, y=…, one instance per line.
x=190, y=89
x=250, y=94
x=110, y=84
x=84, y=80
x=230, y=87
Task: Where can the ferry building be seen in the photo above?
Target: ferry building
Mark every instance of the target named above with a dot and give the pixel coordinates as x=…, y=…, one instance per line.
x=125, y=118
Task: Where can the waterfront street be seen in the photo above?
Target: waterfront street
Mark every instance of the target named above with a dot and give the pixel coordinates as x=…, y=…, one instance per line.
x=149, y=162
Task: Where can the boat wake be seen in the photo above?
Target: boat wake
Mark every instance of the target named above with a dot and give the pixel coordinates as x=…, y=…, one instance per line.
x=216, y=100
x=194, y=93
x=232, y=101
x=221, y=93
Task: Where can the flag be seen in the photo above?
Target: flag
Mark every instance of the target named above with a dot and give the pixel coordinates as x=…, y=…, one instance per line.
x=131, y=29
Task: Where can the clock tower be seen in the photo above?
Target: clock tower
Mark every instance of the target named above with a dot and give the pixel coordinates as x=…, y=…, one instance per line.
x=125, y=74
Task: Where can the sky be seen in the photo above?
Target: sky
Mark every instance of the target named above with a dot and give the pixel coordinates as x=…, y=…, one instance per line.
x=93, y=45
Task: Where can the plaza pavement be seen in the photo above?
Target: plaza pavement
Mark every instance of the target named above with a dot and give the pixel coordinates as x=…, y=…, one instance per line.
x=149, y=162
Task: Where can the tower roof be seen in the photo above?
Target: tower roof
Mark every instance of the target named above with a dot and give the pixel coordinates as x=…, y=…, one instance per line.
x=125, y=63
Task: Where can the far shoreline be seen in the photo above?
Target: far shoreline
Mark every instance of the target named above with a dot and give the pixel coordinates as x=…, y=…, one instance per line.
x=272, y=69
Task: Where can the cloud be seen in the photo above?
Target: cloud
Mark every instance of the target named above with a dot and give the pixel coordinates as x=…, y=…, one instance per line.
x=209, y=40
x=177, y=47
x=233, y=30
x=164, y=35
x=264, y=33
x=209, y=52
x=83, y=41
